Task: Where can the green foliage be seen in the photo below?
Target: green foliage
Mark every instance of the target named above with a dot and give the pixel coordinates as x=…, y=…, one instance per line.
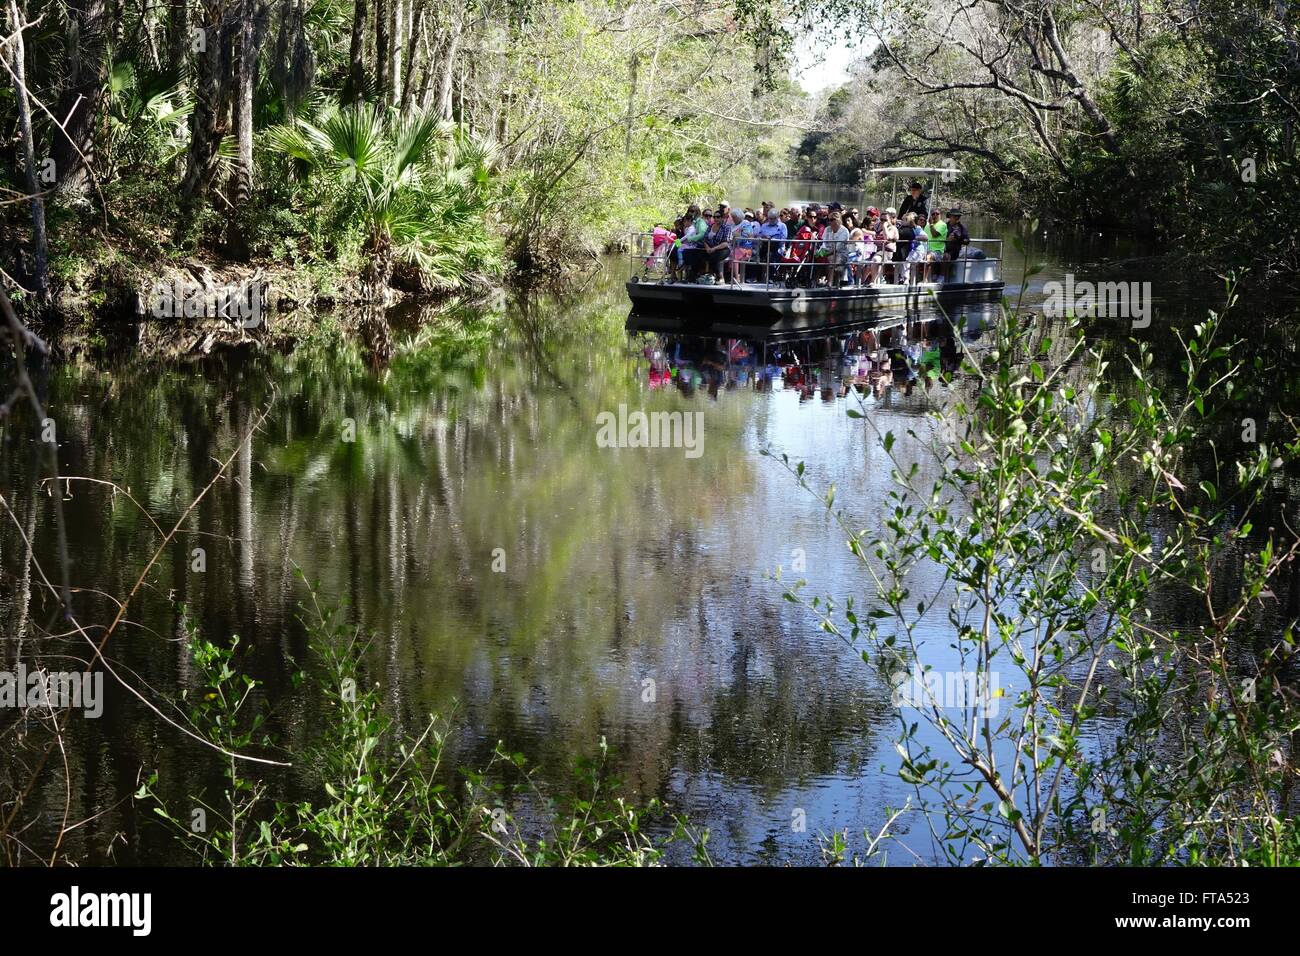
x=385, y=799
x=147, y=116
x=534, y=133
x=414, y=186
x=1123, y=737
x=1177, y=124
x=226, y=713
x=1207, y=150
x=639, y=118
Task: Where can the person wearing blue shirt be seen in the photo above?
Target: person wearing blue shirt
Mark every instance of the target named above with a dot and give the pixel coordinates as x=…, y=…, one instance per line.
x=774, y=231
x=743, y=234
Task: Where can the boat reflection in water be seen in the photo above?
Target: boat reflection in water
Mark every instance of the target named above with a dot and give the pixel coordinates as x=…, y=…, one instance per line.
x=875, y=355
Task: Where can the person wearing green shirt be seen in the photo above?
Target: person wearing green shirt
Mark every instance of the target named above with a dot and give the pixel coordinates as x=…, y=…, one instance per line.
x=693, y=256
x=936, y=234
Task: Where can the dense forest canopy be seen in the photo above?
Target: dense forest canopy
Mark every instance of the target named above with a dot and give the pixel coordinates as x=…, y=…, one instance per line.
x=1174, y=118
x=437, y=145
x=438, y=139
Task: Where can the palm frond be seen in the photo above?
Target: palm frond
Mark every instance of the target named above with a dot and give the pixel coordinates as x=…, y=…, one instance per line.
x=356, y=139
x=301, y=140
x=413, y=140
x=425, y=185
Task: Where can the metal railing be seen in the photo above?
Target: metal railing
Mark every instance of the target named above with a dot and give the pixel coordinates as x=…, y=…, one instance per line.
x=788, y=262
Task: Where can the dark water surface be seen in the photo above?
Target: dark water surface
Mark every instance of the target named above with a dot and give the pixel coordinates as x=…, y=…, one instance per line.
x=622, y=566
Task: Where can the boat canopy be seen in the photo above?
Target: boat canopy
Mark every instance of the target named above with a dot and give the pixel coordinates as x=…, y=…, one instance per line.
x=936, y=175
x=916, y=171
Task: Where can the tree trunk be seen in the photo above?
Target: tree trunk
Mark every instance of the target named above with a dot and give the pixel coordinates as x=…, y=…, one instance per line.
x=425, y=96
x=246, y=44
x=395, y=32
x=461, y=116
x=208, y=121
x=16, y=64
x=87, y=67
x=633, y=63
x=356, y=56
x=412, y=45
x=449, y=70
x=378, y=270
x=148, y=31
x=508, y=73
x=382, y=54
x=178, y=35
x=1078, y=90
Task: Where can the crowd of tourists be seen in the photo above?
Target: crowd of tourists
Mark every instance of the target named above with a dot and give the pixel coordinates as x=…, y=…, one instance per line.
x=812, y=245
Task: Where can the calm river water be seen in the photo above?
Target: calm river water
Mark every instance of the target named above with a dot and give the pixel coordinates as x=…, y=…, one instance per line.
x=475, y=445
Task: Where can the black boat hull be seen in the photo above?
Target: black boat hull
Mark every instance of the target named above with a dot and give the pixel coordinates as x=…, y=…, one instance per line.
x=781, y=309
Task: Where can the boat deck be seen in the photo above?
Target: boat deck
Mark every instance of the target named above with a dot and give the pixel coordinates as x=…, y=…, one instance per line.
x=747, y=304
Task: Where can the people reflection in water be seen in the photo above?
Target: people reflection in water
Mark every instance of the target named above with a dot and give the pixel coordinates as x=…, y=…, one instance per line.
x=892, y=357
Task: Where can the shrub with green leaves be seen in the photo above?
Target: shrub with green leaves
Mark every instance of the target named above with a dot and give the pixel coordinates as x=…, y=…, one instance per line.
x=411, y=188
x=1065, y=511
x=382, y=798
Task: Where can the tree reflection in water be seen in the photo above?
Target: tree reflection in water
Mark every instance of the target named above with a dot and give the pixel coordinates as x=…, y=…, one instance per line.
x=472, y=431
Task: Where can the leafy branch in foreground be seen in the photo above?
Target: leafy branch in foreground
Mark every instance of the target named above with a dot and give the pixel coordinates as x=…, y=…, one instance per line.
x=1063, y=517
x=384, y=799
